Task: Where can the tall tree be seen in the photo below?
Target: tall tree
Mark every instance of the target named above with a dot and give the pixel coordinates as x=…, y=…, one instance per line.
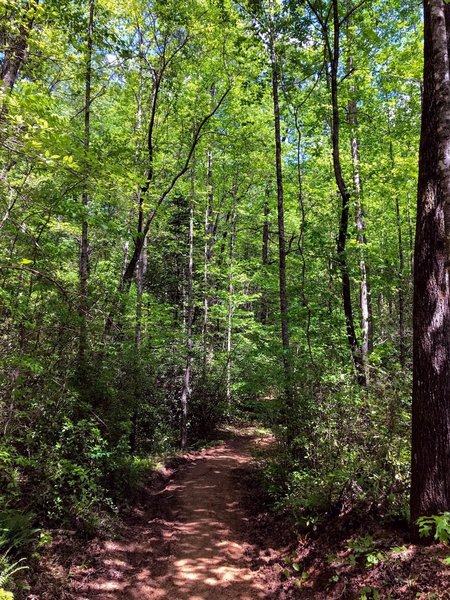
x=284, y=305
x=331, y=21
x=430, y=485
x=84, y=242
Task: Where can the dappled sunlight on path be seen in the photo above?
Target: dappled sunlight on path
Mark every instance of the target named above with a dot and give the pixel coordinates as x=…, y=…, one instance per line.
x=193, y=549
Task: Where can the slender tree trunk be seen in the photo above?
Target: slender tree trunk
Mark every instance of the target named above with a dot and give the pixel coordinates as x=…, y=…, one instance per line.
x=430, y=473
x=301, y=242
x=411, y=236
x=364, y=287
x=355, y=347
x=284, y=306
x=84, y=244
x=130, y=269
x=186, y=389
x=230, y=300
x=401, y=267
x=207, y=256
x=264, y=308
x=140, y=280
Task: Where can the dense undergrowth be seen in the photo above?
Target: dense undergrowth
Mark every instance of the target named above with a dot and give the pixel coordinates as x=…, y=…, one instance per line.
x=352, y=451
x=73, y=469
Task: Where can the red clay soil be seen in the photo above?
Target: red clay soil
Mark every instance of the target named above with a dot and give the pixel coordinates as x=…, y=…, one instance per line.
x=188, y=543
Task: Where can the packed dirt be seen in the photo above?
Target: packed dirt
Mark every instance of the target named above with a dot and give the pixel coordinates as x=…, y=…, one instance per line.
x=188, y=543
x=203, y=530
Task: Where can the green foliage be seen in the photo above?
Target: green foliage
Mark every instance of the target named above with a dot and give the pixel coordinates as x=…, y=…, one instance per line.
x=294, y=570
x=437, y=526
x=8, y=569
x=365, y=547
x=17, y=529
x=208, y=407
x=369, y=593
x=354, y=450
x=77, y=432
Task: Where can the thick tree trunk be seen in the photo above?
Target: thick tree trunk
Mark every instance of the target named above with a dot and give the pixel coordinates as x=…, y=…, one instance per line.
x=84, y=244
x=430, y=484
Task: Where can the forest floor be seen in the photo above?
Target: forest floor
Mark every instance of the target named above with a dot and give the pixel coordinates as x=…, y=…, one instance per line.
x=190, y=536
x=202, y=530
x=188, y=541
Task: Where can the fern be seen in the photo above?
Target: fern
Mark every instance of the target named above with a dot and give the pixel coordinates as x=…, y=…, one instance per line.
x=9, y=569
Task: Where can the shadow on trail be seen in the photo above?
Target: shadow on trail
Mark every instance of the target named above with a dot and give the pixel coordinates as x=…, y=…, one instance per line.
x=189, y=543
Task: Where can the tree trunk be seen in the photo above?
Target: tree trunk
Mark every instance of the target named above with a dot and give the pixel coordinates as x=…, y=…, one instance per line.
x=364, y=288
x=186, y=389
x=284, y=307
x=430, y=473
x=84, y=244
x=401, y=268
x=207, y=256
x=355, y=347
x=230, y=300
x=264, y=308
x=16, y=54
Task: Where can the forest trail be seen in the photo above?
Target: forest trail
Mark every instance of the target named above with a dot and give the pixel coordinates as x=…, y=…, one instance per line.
x=188, y=543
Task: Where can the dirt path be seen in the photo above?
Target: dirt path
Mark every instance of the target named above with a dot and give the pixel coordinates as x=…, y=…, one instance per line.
x=189, y=542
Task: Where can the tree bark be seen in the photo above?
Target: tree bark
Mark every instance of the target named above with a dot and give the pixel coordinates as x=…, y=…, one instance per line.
x=16, y=54
x=354, y=344
x=264, y=308
x=430, y=473
x=84, y=244
x=231, y=299
x=186, y=389
x=364, y=287
x=284, y=306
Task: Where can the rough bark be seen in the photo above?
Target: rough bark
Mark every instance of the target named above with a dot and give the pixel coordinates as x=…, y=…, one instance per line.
x=430, y=484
